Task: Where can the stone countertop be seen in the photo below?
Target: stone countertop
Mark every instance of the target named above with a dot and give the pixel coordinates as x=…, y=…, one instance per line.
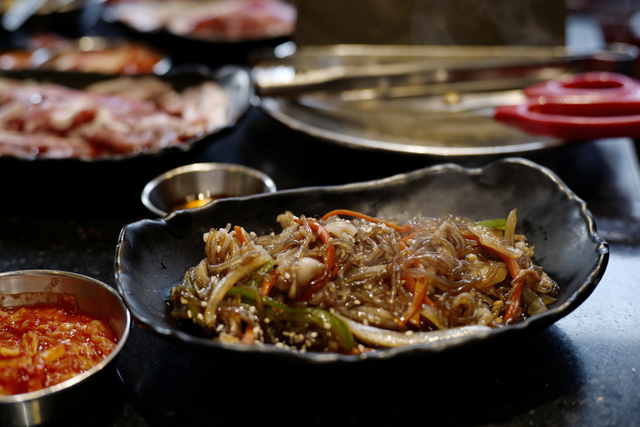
x=581, y=371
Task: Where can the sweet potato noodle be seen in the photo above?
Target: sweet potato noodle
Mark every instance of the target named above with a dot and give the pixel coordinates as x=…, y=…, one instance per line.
x=350, y=283
x=123, y=115
x=43, y=345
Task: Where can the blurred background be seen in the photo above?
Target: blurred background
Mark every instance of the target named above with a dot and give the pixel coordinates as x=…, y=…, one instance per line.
x=427, y=22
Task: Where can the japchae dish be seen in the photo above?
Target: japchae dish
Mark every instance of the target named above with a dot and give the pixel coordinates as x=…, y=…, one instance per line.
x=351, y=283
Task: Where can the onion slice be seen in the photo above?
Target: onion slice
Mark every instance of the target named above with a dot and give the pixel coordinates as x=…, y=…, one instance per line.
x=222, y=287
x=385, y=338
x=497, y=244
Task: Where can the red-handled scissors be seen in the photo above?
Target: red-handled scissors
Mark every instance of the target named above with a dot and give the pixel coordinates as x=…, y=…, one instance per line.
x=583, y=106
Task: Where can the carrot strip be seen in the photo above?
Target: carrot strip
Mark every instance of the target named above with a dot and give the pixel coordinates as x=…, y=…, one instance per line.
x=414, y=308
x=410, y=285
x=419, y=290
x=240, y=235
x=404, y=240
x=515, y=294
x=269, y=282
x=249, y=336
x=348, y=212
x=410, y=282
x=471, y=237
x=513, y=300
x=325, y=238
x=514, y=297
x=356, y=350
x=328, y=257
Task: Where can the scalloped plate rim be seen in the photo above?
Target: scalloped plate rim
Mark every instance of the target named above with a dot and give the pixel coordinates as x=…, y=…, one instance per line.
x=529, y=325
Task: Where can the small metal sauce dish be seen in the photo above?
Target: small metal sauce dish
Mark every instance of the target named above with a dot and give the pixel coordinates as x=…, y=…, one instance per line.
x=28, y=287
x=196, y=184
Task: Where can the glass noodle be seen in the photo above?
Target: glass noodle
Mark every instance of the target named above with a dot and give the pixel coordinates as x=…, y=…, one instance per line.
x=351, y=283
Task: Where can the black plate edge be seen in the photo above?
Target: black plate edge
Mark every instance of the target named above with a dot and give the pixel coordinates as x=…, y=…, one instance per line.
x=527, y=326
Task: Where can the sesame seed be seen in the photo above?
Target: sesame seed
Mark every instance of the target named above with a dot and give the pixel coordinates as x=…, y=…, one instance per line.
x=287, y=275
x=200, y=316
x=189, y=314
x=327, y=325
x=408, y=333
x=218, y=248
x=183, y=301
x=314, y=334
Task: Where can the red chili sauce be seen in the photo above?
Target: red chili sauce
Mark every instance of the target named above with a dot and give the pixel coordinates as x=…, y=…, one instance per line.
x=45, y=344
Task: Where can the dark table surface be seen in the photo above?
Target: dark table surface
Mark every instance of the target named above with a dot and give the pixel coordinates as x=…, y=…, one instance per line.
x=582, y=371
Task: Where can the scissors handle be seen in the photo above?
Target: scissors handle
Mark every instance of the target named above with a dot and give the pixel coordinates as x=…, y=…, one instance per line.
x=593, y=120
x=593, y=84
x=582, y=106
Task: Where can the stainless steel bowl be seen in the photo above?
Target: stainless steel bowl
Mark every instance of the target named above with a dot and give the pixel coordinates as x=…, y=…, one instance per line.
x=203, y=181
x=94, y=297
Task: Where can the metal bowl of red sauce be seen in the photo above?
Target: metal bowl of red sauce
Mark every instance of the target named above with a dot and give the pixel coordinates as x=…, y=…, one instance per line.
x=61, y=331
x=197, y=184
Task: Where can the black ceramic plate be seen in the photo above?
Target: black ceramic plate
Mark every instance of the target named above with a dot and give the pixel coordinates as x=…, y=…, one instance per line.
x=188, y=49
x=114, y=182
x=72, y=18
x=41, y=58
x=234, y=80
x=153, y=255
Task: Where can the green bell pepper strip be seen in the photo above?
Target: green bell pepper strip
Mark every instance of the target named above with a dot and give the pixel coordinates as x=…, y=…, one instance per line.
x=191, y=306
x=256, y=276
x=500, y=223
x=310, y=315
